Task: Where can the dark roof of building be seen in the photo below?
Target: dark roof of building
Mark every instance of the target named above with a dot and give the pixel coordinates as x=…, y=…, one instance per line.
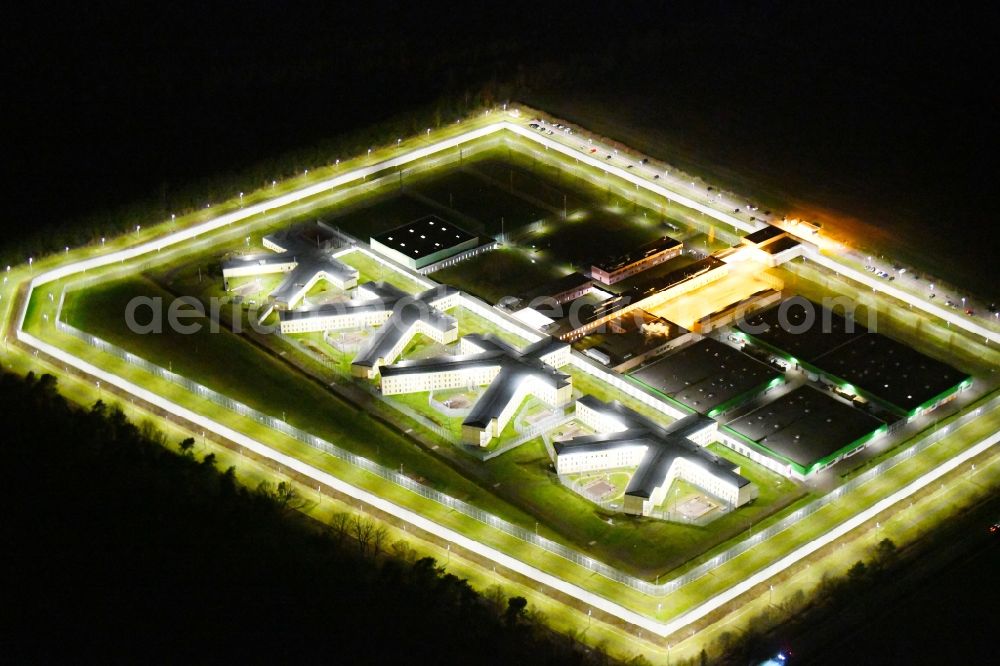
x=309, y=265
x=612, y=264
x=763, y=235
x=400, y=324
x=515, y=366
x=706, y=375
x=802, y=328
x=406, y=312
x=664, y=445
x=880, y=366
x=675, y=277
x=310, y=248
x=890, y=371
x=589, y=313
x=424, y=236
x=634, y=339
x=443, y=363
x=780, y=245
x=806, y=425
x=501, y=391
x=555, y=288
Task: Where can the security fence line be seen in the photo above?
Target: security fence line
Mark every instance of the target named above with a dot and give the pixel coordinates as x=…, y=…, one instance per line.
x=230, y=218
x=504, y=526
x=530, y=433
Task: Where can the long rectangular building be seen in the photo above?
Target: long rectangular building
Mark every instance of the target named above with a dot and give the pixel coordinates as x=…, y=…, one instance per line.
x=645, y=296
x=644, y=257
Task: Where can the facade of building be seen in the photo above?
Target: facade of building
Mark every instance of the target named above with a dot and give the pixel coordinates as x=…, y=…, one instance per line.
x=642, y=258
x=398, y=316
x=660, y=454
x=646, y=296
x=304, y=262
x=510, y=375
x=635, y=338
x=556, y=292
x=421, y=243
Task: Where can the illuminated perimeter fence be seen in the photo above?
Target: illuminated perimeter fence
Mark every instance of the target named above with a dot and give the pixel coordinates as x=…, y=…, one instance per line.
x=497, y=523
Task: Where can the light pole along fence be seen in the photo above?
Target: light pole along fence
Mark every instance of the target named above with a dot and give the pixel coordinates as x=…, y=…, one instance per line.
x=528, y=536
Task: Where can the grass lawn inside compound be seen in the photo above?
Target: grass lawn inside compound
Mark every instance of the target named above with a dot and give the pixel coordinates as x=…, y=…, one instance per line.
x=506, y=271
x=235, y=367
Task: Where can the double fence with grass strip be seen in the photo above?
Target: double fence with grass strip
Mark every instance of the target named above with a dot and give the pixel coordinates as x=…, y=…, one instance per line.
x=506, y=527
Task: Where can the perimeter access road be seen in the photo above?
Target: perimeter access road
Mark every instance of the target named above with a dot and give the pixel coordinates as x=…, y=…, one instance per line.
x=656, y=627
x=721, y=206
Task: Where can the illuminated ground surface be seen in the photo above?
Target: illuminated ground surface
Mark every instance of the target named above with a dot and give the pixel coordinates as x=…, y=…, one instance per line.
x=525, y=478
x=952, y=343
x=373, y=270
x=744, y=279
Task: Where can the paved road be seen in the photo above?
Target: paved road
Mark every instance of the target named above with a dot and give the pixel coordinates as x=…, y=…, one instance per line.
x=656, y=627
x=741, y=212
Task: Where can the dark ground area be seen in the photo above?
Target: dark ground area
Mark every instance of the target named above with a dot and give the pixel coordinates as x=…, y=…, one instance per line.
x=124, y=111
x=939, y=606
x=121, y=547
x=879, y=113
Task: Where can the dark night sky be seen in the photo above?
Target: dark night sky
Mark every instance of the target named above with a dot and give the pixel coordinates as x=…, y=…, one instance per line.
x=882, y=113
x=875, y=112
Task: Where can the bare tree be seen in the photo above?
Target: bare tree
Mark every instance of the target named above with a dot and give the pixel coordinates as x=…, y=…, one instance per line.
x=340, y=525
x=379, y=536
x=363, y=530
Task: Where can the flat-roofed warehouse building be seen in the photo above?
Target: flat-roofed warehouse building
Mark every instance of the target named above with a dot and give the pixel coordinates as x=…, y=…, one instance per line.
x=510, y=375
x=660, y=454
x=806, y=430
x=555, y=292
x=645, y=256
x=632, y=339
x=843, y=353
x=710, y=377
x=423, y=242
